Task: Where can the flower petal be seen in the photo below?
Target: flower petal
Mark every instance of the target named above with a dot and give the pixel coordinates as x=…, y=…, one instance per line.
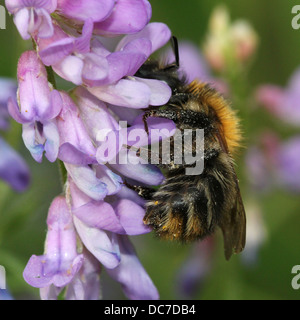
x=135, y=281
x=70, y=154
x=81, y=10
x=50, y=293
x=126, y=62
x=159, y=129
x=57, y=50
x=125, y=93
x=33, y=272
x=94, y=113
x=127, y=17
x=113, y=182
x=54, y=107
x=112, y=143
x=82, y=43
x=34, y=91
x=95, y=69
x=46, y=27
x=99, y=243
x=99, y=215
x=85, y=179
x=160, y=91
x=86, y=284
x=14, y=111
x=145, y=173
x=70, y=69
x=158, y=33
x=129, y=194
x=21, y=20
x=65, y=277
x=36, y=149
x=131, y=217
x=72, y=131
x=51, y=135
x=126, y=114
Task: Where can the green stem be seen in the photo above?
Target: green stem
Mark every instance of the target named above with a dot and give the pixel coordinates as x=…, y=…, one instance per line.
x=63, y=173
x=51, y=77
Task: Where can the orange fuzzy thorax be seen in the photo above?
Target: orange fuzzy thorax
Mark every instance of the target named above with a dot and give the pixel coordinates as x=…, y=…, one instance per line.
x=227, y=118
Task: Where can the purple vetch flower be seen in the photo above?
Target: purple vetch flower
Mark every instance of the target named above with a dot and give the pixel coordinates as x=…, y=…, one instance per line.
x=80, y=127
x=98, y=120
x=8, y=88
x=13, y=169
x=109, y=75
x=32, y=17
x=90, y=224
x=76, y=146
x=60, y=262
x=103, y=228
x=65, y=53
x=282, y=102
x=38, y=106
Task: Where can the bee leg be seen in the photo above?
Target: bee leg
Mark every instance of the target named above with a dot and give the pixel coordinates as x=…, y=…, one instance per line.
x=157, y=113
x=144, y=192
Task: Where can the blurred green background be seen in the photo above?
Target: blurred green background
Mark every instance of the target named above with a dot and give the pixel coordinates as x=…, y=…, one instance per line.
x=23, y=216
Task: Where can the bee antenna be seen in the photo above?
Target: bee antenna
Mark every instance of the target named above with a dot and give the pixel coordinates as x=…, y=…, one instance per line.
x=174, y=43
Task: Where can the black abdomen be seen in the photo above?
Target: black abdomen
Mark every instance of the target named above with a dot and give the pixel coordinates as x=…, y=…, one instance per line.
x=188, y=208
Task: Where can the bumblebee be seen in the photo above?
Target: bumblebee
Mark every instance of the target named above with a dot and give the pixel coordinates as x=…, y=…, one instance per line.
x=188, y=207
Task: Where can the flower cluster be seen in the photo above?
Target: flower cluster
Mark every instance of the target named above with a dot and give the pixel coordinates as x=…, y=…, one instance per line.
x=76, y=40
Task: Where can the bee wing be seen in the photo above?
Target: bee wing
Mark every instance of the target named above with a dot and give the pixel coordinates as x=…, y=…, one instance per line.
x=234, y=224
x=234, y=228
